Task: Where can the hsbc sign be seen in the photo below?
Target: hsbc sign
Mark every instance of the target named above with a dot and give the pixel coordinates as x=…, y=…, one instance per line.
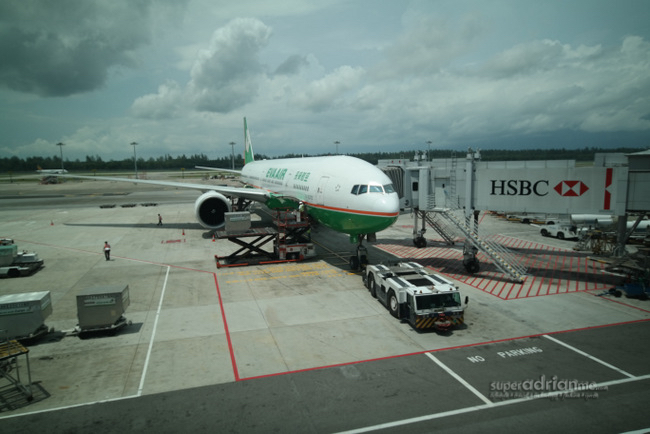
x=518, y=187
x=562, y=190
x=524, y=187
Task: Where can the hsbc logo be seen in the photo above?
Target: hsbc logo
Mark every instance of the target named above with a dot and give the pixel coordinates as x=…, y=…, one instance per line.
x=524, y=187
x=518, y=187
x=571, y=188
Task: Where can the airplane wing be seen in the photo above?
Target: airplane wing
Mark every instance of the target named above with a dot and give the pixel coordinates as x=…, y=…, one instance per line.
x=243, y=192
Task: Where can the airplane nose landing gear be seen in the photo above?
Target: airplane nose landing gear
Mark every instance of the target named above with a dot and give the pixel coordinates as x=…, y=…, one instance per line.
x=360, y=260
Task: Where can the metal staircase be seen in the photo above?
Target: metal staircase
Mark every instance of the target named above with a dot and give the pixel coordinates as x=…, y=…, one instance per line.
x=441, y=227
x=500, y=256
x=445, y=221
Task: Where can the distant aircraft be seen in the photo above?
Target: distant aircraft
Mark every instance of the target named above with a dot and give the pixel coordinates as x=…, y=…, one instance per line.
x=50, y=171
x=344, y=193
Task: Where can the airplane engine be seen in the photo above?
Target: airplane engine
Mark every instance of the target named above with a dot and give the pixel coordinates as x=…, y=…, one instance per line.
x=210, y=208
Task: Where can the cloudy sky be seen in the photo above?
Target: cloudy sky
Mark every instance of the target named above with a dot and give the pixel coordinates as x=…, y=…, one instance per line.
x=177, y=77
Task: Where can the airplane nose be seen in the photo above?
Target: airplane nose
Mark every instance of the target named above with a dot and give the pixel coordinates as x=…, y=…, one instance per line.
x=387, y=203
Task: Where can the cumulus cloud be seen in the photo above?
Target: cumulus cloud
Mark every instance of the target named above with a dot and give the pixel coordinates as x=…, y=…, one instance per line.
x=427, y=45
x=330, y=91
x=536, y=87
x=225, y=75
x=165, y=104
x=67, y=47
x=292, y=65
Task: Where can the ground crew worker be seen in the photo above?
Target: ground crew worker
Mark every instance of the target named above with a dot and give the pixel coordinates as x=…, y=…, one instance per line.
x=301, y=211
x=107, y=250
x=159, y=220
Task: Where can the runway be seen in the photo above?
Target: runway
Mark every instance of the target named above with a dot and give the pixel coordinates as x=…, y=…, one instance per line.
x=302, y=347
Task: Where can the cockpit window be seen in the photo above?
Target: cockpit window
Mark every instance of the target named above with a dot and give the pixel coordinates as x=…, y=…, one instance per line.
x=362, y=189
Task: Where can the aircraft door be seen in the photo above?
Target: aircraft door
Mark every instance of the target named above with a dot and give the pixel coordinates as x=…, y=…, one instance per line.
x=320, y=191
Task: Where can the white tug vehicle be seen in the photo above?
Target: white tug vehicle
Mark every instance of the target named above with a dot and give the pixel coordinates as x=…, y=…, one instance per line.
x=410, y=292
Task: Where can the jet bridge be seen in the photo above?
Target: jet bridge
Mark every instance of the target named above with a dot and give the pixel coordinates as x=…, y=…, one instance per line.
x=448, y=195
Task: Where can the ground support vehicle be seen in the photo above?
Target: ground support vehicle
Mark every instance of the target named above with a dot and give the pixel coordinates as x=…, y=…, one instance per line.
x=560, y=232
x=411, y=292
x=291, y=240
x=635, y=290
x=14, y=263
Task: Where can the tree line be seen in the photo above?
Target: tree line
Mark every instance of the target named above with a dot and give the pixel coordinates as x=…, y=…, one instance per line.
x=167, y=162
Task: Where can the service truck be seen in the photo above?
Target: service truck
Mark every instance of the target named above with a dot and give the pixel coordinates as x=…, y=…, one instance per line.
x=560, y=231
x=14, y=263
x=411, y=292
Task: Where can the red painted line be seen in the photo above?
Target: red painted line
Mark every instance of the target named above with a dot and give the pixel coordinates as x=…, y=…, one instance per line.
x=227, y=331
x=553, y=270
x=572, y=272
x=530, y=284
x=541, y=282
x=456, y=347
x=354, y=211
x=503, y=286
x=483, y=282
x=522, y=243
x=563, y=268
x=512, y=286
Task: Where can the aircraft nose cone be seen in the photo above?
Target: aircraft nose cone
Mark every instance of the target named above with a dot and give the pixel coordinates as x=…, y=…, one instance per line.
x=388, y=203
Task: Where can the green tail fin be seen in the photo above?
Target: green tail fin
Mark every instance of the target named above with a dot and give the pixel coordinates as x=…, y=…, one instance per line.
x=248, y=150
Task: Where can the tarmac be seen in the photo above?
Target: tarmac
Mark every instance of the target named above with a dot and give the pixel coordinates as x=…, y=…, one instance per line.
x=302, y=346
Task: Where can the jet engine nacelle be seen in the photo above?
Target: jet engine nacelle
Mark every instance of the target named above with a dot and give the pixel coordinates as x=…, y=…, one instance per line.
x=210, y=208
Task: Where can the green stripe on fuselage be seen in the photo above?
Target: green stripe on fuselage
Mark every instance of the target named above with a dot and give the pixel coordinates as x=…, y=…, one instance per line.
x=340, y=221
x=350, y=223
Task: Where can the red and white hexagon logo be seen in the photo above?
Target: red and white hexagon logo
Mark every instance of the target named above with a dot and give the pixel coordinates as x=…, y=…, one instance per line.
x=571, y=188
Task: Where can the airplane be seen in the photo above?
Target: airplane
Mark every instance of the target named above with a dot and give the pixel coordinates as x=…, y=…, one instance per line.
x=344, y=193
x=50, y=171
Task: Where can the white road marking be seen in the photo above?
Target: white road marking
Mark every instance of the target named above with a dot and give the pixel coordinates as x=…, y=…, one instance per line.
x=485, y=406
x=153, y=333
x=589, y=356
x=460, y=379
x=144, y=370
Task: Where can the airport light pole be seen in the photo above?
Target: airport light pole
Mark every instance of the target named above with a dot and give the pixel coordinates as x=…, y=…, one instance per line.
x=61, y=145
x=232, y=156
x=337, y=143
x=135, y=160
x=429, y=151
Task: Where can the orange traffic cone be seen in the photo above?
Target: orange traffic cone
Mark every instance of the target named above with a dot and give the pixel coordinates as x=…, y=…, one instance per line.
x=51, y=223
x=213, y=240
x=183, y=232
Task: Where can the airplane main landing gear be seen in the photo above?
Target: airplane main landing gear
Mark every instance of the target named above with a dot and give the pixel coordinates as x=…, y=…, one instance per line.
x=470, y=262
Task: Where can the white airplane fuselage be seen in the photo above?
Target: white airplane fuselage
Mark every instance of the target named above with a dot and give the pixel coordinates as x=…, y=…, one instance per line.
x=344, y=193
